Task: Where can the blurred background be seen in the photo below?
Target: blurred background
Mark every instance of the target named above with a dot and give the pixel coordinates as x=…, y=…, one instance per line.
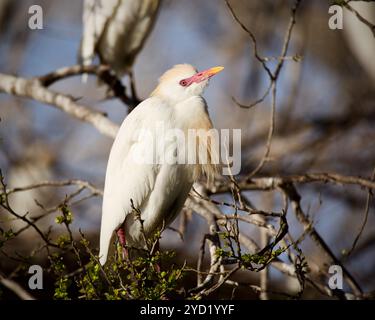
x=325, y=114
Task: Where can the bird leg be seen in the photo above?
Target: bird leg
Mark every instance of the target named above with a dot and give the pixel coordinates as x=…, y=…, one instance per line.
x=125, y=253
x=121, y=236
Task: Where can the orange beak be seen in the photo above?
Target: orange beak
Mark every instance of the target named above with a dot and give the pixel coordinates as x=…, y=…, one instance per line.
x=211, y=72
x=201, y=76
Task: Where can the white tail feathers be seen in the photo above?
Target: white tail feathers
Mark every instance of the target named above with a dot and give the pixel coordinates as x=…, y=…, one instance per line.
x=105, y=239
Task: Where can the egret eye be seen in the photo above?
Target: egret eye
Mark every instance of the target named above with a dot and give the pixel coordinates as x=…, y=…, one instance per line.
x=183, y=83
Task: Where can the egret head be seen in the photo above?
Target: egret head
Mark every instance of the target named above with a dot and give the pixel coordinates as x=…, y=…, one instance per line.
x=184, y=81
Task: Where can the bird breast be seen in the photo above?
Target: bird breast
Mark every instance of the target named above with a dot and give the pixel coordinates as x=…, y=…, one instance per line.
x=174, y=181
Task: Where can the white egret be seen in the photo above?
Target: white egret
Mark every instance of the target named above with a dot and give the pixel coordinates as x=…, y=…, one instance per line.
x=158, y=189
x=116, y=30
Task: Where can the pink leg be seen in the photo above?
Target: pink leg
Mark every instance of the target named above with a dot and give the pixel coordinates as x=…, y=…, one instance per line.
x=121, y=237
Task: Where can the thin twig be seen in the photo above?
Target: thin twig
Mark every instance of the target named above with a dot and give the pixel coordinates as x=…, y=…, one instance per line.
x=15, y=288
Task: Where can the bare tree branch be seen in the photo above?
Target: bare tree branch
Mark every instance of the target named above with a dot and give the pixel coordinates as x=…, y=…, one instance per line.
x=295, y=198
x=272, y=183
x=16, y=288
x=33, y=89
x=101, y=71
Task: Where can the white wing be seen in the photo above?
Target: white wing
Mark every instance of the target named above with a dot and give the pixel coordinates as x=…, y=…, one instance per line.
x=96, y=14
x=126, y=178
x=116, y=30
